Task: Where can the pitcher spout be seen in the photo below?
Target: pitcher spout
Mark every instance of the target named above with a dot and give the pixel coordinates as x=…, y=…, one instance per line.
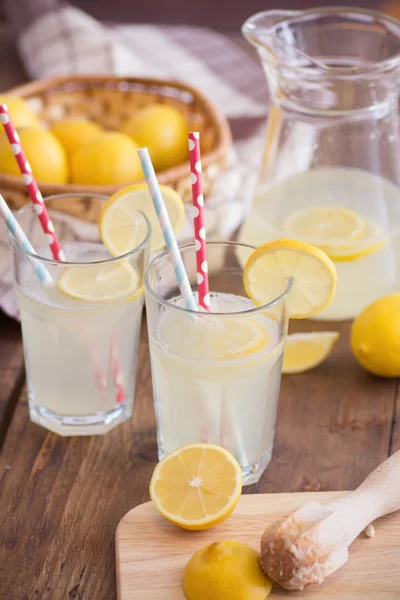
x=272, y=33
x=326, y=41
x=260, y=30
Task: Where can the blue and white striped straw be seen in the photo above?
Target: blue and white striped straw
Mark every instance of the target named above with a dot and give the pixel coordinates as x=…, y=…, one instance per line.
x=166, y=228
x=23, y=241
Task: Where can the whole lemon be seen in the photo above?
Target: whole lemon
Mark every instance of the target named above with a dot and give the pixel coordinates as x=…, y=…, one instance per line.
x=72, y=133
x=21, y=114
x=163, y=130
x=108, y=159
x=375, y=336
x=225, y=571
x=44, y=152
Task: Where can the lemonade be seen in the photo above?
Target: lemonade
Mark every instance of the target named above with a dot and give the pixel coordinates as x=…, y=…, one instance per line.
x=216, y=379
x=85, y=352
x=366, y=253
x=80, y=329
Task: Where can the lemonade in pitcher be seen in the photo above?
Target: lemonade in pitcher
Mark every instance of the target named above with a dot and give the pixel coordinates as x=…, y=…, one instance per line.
x=330, y=172
x=314, y=207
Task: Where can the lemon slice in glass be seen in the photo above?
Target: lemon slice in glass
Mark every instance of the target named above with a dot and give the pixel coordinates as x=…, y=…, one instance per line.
x=196, y=486
x=118, y=220
x=304, y=351
x=268, y=270
x=241, y=338
x=102, y=283
x=216, y=339
x=324, y=224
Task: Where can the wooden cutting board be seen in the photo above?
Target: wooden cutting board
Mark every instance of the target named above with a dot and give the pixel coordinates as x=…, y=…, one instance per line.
x=152, y=553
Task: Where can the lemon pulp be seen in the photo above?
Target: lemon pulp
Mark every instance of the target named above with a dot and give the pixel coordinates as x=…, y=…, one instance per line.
x=196, y=486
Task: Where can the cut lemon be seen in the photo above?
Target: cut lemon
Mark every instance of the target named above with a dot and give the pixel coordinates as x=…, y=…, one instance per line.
x=343, y=234
x=372, y=240
x=304, y=351
x=196, y=486
x=119, y=224
x=324, y=224
x=103, y=283
x=268, y=270
x=241, y=338
x=219, y=339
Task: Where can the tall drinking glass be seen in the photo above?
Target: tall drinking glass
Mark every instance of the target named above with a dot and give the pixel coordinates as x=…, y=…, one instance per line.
x=216, y=376
x=80, y=354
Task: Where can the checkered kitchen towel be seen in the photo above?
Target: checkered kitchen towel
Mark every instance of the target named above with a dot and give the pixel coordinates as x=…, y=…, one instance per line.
x=55, y=38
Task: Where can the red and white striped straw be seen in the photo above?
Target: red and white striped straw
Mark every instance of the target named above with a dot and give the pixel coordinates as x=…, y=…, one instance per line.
x=118, y=381
x=198, y=220
x=29, y=181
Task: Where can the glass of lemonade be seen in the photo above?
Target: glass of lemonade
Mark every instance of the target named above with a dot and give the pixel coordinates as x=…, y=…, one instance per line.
x=216, y=376
x=80, y=355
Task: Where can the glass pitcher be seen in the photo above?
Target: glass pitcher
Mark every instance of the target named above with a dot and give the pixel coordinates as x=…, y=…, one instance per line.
x=330, y=172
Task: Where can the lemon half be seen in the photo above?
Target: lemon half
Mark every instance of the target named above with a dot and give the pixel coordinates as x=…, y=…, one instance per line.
x=225, y=571
x=196, y=486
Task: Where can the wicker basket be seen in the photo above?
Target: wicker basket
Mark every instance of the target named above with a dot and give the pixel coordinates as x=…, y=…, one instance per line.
x=109, y=100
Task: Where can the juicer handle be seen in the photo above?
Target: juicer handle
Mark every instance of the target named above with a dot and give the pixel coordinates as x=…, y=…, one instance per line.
x=381, y=489
x=378, y=495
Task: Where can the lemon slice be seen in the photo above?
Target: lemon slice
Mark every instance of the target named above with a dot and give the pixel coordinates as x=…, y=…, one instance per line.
x=119, y=224
x=372, y=240
x=103, y=283
x=220, y=339
x=268, y=269
x=196, y=486
x=304, y=351
x=242, y=337
x=324, y=224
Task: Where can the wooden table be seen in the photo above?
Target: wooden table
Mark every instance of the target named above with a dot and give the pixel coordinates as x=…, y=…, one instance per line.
x=61, y=498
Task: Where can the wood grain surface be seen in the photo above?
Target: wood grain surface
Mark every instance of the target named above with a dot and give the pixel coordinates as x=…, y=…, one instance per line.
x=62, y=498
x=11, y=371
x=147, y=544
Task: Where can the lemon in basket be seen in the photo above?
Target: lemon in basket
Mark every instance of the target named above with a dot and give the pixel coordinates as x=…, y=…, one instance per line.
x=20, y=112
x=44, y=152
x=73, y=133
x=164, y=131
x=108, y=159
